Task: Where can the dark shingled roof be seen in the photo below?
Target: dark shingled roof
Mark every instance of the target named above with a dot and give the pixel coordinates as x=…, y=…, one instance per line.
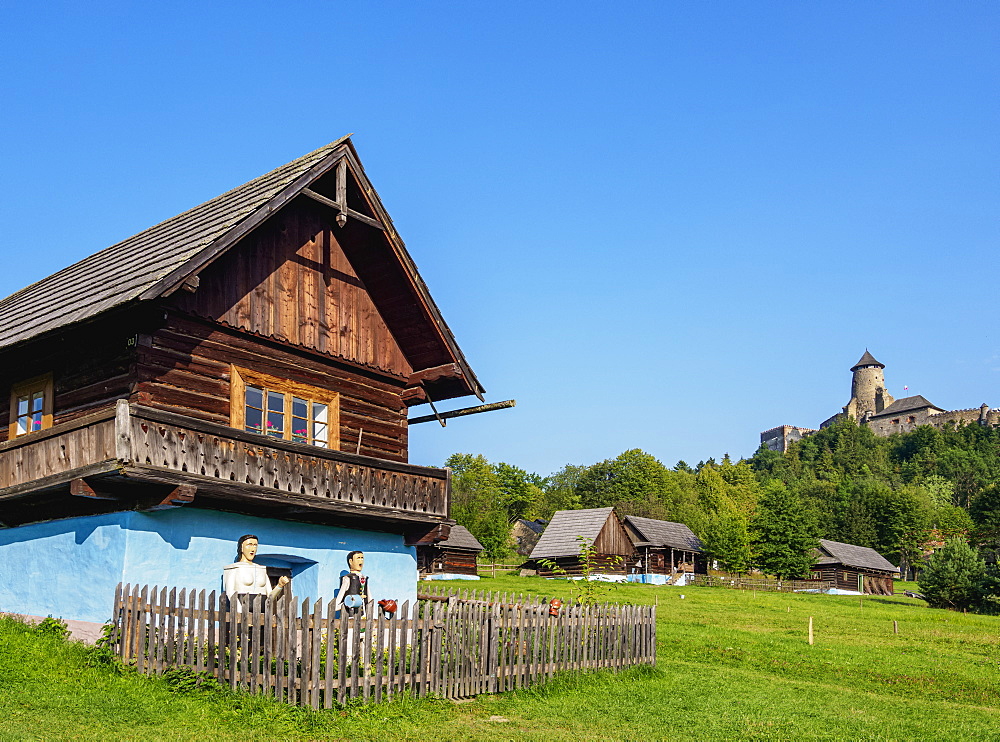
x=536, y=526
x=123, y=272
x=560, y=537
x=906, y=404
x=867, y=360
x=660, y=533
x=460, y=538
x=834, y=552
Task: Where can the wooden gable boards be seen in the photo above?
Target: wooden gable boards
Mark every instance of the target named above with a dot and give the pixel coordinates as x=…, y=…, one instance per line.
x=169, y=257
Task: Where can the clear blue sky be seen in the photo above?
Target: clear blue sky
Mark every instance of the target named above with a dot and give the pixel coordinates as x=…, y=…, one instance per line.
x=660, y=225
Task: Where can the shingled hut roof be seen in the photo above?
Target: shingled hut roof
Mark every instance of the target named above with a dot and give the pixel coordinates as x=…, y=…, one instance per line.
x=561, y=538
x=835, y=552
x=157, y=261
x=461, y=538
x=663, y=533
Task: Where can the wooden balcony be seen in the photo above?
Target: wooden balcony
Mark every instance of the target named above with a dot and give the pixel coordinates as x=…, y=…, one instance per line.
x=129, y=456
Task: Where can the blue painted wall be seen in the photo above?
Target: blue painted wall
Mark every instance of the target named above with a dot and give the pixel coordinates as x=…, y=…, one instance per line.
x=69, y=568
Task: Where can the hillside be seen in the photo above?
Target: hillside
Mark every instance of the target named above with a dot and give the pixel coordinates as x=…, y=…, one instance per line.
x=732, y=665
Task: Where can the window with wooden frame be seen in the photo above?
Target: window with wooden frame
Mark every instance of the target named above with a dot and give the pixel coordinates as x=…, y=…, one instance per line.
x=30, y=406
x=268, y=405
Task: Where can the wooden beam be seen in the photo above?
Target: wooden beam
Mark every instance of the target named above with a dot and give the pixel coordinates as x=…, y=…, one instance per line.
x=81, y=488
x=428, y=536
x=343, y=209
x=462, y=412
x=181, y=495
x=448, y=370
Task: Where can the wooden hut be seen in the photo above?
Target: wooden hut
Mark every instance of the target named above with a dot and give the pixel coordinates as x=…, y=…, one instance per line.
x=456, y=555
x=243, y=367
x=854, y=568
x=665, y=547
x=526, y=534
x=562, y=539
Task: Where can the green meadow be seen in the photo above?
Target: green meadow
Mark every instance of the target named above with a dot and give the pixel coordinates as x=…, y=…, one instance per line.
x=732, y=665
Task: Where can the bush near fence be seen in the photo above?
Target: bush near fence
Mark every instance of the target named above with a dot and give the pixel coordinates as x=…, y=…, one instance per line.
x=450, y=644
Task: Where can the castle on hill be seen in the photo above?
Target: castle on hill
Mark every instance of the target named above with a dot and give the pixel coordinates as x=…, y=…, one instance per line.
x=872, y=405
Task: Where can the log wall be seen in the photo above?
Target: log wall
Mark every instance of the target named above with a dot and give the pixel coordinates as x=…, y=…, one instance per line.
x=290, y=280
x=91, y=367
x=184, y=367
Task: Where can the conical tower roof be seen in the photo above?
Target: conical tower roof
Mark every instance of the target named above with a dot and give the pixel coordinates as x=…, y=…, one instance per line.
x=867, y=360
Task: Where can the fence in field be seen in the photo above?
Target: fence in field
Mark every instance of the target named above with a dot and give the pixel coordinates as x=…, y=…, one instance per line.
x=450, y=644
x=762, y=584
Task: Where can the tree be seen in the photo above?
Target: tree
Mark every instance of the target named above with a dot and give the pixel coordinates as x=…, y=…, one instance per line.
x=727, y=539
x=559, y=491
x=953, y=577
x=633, y=475
x=985, y=512
x=478, y=503
x=783, y=540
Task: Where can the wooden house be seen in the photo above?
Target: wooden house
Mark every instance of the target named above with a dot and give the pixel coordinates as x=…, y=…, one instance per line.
x=455, y=555
x=562, y=539
x=526, y=533
x=853, y=568
x=243, y=367
x=664, y=547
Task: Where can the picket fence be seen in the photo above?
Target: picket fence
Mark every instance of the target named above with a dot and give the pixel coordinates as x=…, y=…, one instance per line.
x=449, y=643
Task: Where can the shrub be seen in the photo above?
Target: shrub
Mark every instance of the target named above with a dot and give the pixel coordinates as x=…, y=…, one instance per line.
x=953, y=577
x=54, y=627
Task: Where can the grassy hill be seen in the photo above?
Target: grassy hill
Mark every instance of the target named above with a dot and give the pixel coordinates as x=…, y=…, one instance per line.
x=732, y=665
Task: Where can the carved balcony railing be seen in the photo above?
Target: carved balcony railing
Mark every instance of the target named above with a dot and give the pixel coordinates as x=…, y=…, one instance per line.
x=134, y=443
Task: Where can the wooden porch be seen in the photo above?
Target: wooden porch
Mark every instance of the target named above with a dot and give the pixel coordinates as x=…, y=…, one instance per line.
x=128, y=456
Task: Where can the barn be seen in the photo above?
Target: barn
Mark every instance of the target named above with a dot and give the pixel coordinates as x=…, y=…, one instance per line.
x=855, y=569
x=563, y=538
x=454, y=557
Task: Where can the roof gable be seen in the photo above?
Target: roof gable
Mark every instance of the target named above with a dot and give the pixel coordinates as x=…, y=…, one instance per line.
x=562, y=535
x=157, y=261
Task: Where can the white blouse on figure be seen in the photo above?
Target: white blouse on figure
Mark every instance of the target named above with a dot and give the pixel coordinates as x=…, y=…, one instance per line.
x=247, y=578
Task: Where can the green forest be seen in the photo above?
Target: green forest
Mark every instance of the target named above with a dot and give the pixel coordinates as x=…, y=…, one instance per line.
x=905, y=495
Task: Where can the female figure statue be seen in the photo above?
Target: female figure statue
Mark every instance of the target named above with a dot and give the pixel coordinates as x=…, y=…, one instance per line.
x=244, y=576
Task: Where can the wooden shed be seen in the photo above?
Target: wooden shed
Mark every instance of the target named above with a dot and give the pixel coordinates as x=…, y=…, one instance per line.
x=456, y=555
x=561, y=542
x=855, y=568
x=665, y=547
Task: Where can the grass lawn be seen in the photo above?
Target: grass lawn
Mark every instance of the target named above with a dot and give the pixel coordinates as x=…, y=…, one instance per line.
x=732, y=665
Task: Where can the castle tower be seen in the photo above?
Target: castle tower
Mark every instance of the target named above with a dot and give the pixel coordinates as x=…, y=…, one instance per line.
x=868, y=394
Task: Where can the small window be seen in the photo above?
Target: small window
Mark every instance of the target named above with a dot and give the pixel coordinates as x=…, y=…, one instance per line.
x=911, y=419
x=284, y=409
x=895, y=421
x=30, y=406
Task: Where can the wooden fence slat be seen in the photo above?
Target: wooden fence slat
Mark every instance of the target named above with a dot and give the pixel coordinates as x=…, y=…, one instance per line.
x=329, y=625
x=343, y=652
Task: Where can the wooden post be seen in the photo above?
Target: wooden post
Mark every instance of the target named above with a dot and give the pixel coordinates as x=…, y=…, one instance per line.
x=895, y=627
x=810, y=630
